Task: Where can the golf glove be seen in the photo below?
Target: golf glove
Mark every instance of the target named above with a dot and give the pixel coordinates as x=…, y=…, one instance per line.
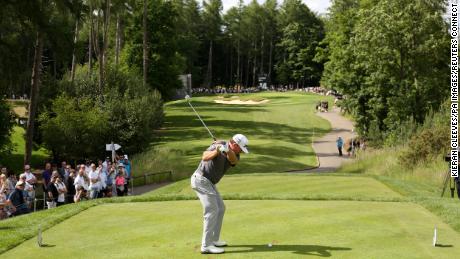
x=223, y=148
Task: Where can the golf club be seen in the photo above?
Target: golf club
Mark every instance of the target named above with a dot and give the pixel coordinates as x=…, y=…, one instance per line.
x=187, y=98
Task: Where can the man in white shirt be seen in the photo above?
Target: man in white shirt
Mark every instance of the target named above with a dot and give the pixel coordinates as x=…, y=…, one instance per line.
x=81, y=185
x=94, y=181
x=31, y=180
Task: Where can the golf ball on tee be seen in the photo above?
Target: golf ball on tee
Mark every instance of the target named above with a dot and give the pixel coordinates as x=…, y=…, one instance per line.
x=269, y=245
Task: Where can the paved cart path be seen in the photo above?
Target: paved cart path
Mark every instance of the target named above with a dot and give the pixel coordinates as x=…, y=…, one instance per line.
x=326, y=147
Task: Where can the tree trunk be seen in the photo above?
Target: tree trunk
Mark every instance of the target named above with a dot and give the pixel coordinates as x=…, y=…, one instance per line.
x=262, y=52
x=247, y=72
x=238, y=79
x=35, y=86
x=105, y=40
x=208, y=80
x=231, y=63
x=74, y=58
x=100, y=55
x=254, y=65
x=90, y=41
x=144, y=44
x=117, y=42
x=269, y=76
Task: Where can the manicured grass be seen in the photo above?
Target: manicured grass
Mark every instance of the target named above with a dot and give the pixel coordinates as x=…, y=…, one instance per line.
x=421, y=184
x=295, y=228
x=235, y=187
x=279, y=132
x=292, y=186
x=15, y=160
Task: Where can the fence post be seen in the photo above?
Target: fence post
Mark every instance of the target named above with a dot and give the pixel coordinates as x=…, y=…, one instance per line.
x=35, y=204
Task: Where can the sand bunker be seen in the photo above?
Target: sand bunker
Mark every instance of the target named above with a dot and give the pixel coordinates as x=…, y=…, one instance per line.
x=241, y=102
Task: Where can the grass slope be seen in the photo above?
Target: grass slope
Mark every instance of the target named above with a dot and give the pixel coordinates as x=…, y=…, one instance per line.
x=15, y=160
x=421, y=184
x=279, y=132
x=296, y=228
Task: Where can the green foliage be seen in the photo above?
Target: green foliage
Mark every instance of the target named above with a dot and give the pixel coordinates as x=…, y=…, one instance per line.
x=134, y=118
x=378, y=58
x=74, y=128
x=128, y=116
x=301, y=34
x=6, y=126
x=429, y=141
x=426, y=145
x=165, y=63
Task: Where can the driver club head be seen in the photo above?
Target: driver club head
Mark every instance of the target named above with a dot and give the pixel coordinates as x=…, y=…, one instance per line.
x=187, y=98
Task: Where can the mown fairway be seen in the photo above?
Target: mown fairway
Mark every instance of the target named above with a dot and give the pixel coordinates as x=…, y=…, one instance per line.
x=292, y=186
x=279, y=132
x=341, y=229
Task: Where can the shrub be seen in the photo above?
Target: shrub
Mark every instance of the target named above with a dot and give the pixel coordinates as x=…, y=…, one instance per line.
x=430, y=141
x=6, y=126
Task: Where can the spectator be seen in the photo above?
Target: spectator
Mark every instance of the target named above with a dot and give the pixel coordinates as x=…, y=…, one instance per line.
x=62, y=191
x=339, y=145
x=62, y=169
x=12, y=180
x=46, y=176
x=53, y=192
x=17, y=200
x=127, y=169
x=87, y=166
x=3, y=170
x=3, y=206
x=31, y=181
x=113, y=175
x=103, y=177
x=4, y=185
x=67, y=170
x=81, y=184
x=70, y=186
x=94, y=181
x=105, y=164
x=111, y=187
x=120, y=180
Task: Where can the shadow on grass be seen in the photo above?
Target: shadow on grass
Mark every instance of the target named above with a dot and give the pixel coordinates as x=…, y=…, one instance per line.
x=322, y=251
x=47, y=245
x=443, y=246
x=189, y=127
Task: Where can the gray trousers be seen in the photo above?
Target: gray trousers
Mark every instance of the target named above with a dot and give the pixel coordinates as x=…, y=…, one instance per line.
x=213, y=208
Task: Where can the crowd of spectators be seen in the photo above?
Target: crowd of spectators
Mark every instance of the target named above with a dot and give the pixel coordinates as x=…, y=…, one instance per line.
x=62, y=185
x=223, y=90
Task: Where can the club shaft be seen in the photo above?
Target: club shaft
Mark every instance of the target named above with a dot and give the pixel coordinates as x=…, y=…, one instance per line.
x=201, y=121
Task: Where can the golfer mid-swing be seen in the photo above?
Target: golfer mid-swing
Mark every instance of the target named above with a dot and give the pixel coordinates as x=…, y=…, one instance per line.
x=216, y=160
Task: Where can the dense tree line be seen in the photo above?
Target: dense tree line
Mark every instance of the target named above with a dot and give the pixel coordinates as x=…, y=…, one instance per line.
x=58, y=51
x=391, y=59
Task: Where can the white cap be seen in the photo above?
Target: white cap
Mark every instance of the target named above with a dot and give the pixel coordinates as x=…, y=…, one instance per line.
x=125, y=156
x=242, y=141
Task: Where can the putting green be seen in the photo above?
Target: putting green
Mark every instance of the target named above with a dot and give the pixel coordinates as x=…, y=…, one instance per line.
x=294, y=186
x=341, y=229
